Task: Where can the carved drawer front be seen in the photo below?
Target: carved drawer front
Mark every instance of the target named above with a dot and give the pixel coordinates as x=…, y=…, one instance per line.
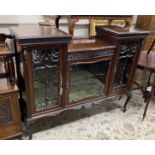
x=89, y=55
x=5, y=112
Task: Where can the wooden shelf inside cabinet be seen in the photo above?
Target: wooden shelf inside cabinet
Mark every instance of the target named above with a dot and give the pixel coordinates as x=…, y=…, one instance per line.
x=2, y=70
x=5, y=86
x=4, y=51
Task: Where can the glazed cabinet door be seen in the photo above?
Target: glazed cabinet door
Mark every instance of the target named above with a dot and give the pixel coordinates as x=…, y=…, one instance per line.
x=125, y=65
x=46, y=79
x=43, y=79
x=88, y=79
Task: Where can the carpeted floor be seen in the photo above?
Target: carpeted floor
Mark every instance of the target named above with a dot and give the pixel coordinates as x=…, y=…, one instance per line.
x=102, y=121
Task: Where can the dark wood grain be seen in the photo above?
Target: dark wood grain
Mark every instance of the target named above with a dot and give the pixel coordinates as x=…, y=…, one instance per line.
x=122, y=32
x=35, y=34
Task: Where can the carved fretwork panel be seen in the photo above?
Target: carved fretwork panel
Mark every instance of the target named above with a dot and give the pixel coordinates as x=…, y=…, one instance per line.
x=89, y=55
x=123, y=69
x=5, y=111
x=46, y=77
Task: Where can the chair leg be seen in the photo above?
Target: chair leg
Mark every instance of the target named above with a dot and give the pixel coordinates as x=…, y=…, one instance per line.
x=147, y=94
x=129, y=96
x=146, y=107
x=5, y=64
x=152, y=45
x=120, y=98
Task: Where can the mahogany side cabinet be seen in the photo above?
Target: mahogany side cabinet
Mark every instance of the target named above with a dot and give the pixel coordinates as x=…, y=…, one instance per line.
x=56, y=72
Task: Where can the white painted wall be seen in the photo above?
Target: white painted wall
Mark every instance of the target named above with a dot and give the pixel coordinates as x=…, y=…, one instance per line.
x=81, y=29
x=13, y=19
x=10, y=20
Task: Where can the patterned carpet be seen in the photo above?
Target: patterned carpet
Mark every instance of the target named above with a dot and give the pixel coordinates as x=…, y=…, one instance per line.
x=104, y=121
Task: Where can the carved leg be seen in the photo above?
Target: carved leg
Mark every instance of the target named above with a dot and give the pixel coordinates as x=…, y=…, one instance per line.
x=129, y=96
x=147, y=97
x=146, y=107
x=29, y=129
x=30, y=132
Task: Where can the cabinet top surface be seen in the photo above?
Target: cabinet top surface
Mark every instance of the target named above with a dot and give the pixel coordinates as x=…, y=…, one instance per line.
x=121, y=31
x=78, y=45
x=37, y=32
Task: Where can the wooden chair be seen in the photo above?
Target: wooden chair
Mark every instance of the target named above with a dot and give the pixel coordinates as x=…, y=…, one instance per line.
x=6, y=60
x=147, y=62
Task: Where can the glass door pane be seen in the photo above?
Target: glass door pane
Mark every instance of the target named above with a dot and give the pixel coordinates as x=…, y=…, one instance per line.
x=46, y=78
x=87, y=80
x=126, y=57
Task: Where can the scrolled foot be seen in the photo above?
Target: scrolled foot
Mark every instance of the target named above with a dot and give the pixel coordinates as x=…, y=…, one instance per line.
x=124, y=109
x=146, y=107
x=143, y=118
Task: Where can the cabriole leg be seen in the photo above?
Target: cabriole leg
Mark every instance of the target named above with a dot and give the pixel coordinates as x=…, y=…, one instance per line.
x=129, y=96
x=29, y=130
x=146, y=107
